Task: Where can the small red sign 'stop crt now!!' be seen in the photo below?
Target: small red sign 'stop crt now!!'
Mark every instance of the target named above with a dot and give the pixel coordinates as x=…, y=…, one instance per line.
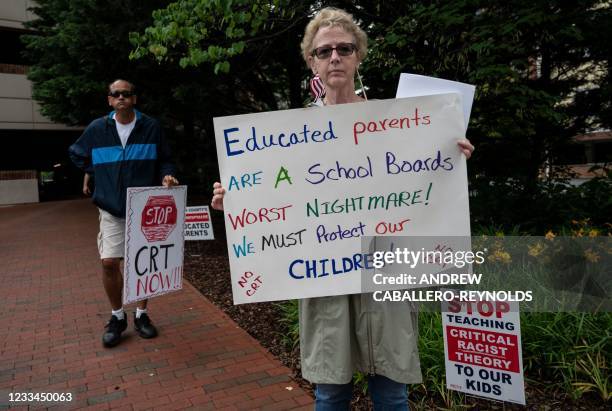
x=158, y=218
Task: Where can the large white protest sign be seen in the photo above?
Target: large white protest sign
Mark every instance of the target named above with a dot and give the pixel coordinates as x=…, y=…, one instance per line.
x=414, y=85
x=482, y=347
x=303, y=186
x=154, y=244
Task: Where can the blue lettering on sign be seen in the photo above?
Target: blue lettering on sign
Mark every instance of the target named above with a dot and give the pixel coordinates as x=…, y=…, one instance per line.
x=258, y=142
x=241, y=250
x=246, y=180
x=340, y=233
x=414, y=166
x=338, y=172
x=300, y=268
x=228, y=142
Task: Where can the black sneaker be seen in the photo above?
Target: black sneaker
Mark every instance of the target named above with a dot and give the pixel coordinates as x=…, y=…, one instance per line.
x=114, y=328
x=143, y=326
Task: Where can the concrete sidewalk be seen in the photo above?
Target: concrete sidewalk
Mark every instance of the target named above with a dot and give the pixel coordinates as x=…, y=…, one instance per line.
x=53, y=309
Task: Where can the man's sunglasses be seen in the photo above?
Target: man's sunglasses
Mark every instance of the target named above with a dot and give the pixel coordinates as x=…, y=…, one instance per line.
x=124, y=93
x=343, y=49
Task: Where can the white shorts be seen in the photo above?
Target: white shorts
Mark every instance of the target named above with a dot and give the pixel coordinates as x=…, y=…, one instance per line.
x=111, y=238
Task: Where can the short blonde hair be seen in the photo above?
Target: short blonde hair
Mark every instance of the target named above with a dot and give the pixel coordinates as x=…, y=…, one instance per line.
x=333, y=17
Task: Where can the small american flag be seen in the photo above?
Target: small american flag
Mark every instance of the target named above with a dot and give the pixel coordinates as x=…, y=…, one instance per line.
x=317, y=89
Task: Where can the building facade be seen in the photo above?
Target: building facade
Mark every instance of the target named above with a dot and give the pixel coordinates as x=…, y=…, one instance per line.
x=33, y=160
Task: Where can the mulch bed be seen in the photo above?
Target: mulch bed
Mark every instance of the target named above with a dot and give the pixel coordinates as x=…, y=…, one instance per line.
x=206, y=266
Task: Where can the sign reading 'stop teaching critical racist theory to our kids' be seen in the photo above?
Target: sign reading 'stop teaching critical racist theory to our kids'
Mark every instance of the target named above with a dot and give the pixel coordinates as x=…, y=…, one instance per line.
x=482, y=344
x=154, y=244
x=303, y=186
x=198, y=225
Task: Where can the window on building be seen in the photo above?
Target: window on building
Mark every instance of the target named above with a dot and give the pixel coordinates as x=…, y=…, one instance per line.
x=603, y=152
x=12, y=47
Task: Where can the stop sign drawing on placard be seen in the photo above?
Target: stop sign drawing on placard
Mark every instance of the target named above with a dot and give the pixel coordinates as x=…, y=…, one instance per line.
x=158, y=218
x=154, y=242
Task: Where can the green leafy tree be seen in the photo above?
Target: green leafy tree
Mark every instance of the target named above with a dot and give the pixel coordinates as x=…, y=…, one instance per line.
x=258, y=40
x=78, y=46
x=541, y=69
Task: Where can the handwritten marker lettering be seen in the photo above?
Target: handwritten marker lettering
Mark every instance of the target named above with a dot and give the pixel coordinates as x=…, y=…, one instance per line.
x=257, y=142
x=383, y=227
x=254, y=286
x=377, y=126
x=229, y=142
x=374, y=202
x=262, y=215
x=415, y=166
x=241, y=250
x=338, y=172
x=340, y=233
x=151, y=252
x=251, y=282
x=246, y=180
x=300, y=269
x=282, y=240
x=283, y=175
x=438, y=258
x=345, y=205
x=157, y=281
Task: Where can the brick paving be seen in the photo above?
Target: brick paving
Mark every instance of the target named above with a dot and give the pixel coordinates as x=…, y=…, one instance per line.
x=53, y=309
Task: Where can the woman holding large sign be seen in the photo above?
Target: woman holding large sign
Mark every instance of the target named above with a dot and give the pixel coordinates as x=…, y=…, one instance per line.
x=342, y=334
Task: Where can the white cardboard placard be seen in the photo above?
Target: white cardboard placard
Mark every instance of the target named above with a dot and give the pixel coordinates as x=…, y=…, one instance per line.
x=482, y=349
x=304, y=185
x=154, y=242
x=198, y=224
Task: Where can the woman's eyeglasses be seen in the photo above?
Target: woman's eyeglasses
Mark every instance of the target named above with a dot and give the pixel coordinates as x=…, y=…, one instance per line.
x=124, y=93
x=343, y=49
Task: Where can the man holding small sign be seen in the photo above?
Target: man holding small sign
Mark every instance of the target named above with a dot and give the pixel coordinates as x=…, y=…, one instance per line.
x=123, y=149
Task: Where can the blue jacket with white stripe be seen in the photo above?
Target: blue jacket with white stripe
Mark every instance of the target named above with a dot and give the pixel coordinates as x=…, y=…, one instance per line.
x=144, y=161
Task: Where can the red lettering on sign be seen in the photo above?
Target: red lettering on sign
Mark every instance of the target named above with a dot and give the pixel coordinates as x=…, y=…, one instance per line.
x=263, y=215
x=483, y=348
x=158, y=218
x=484, y=308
